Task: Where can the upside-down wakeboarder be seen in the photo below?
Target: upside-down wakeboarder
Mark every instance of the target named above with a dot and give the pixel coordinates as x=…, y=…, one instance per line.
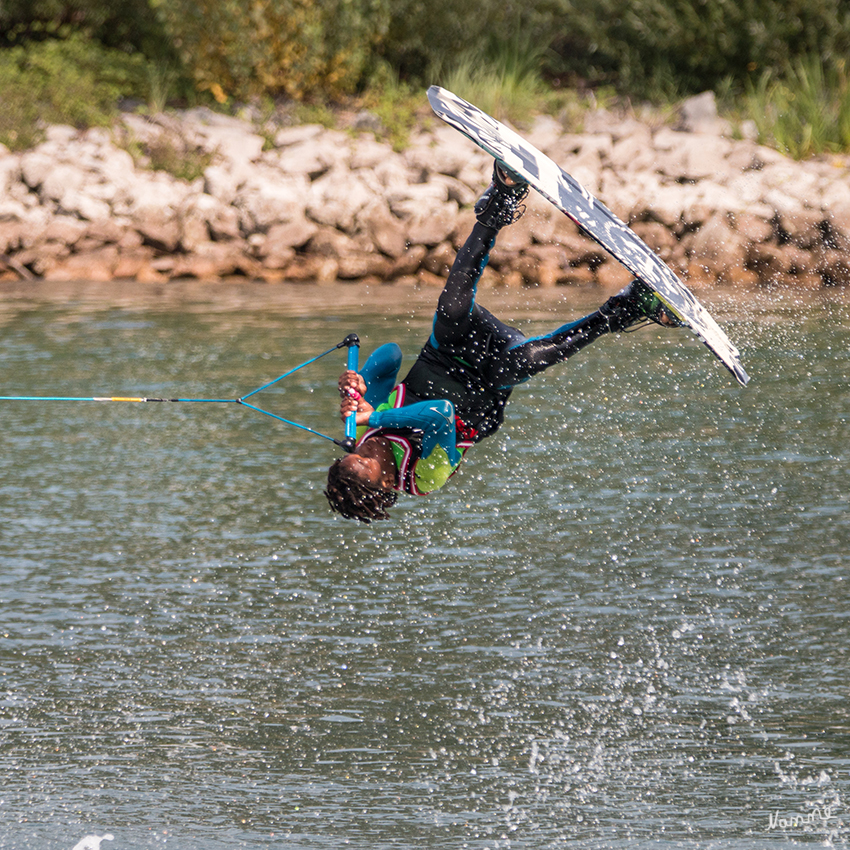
x=413, y=435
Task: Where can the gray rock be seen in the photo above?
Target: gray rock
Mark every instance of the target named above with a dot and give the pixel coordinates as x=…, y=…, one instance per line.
x=365, y=120
x=297, y=135
x=35, y=166
x=336, y=198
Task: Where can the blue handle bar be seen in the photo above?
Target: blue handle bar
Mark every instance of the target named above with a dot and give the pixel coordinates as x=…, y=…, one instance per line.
x=351, y=419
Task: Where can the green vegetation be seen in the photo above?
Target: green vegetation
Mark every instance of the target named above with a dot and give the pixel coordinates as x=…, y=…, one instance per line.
x=294, y=48
x=394, y=103
x=68, y=81
x=172, y=155
x=75, y=61
x=671, y=48
x=805, y=112
x=503, y=79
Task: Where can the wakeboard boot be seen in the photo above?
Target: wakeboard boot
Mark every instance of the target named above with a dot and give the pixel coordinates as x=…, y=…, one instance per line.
x=634, y=304
x=502, y=203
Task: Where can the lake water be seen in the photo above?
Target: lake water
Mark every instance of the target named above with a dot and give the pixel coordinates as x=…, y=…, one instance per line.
x=624, y=623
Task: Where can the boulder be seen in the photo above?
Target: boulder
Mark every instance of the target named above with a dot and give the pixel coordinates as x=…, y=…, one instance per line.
x=43, y=257
x=61, y=179
x=369, y=153
x=213, y=260
x=313, y=269
x=277, y=257
x=336, y=199
x=444, y=153
x=633, y=153
x=80, y=203
x=10, y=172
x=136, y=264
x=292, y=234
x=329, y=242
x=833, y=267
x=691, y=157
x=776, y=263
x=440, y=258
x=613, y=275
x=96, y=265
x=222, y=183
x=297, y=135
x=385, y=230
x=270, y=198
x=661, y=239
x=545, y=132
x=305, y=159
x=550, y=265
x=803, y=227
x=698, y=114
x=456, y=190
x=416, y=199
x=432, y=226
x=359, y=264
x=752, y=228
x=409, y=262
x=106, y=231
x=203, y=217
x=230, y=138
x=64, y=229
x=35, y=166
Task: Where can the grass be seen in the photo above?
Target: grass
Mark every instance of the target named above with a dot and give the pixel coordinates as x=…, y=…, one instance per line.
x=804, y=112
x=170, y=154
x=61, y=81
x=504, y=79
x=394, y=103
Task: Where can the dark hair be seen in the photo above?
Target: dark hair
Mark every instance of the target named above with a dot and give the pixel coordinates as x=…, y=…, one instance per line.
x=353, y=499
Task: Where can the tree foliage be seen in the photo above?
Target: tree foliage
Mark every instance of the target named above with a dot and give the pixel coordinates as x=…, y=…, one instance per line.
x=296, y=48
x=62, y=81
x=325, y=49
x=692, y=45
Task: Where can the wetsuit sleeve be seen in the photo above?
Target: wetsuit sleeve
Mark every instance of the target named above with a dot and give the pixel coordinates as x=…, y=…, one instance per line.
x=380, y=372
x=435, y=419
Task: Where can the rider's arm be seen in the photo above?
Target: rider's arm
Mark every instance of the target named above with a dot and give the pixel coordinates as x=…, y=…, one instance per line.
x=435, y=419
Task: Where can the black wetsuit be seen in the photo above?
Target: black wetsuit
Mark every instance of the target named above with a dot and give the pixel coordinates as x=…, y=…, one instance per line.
x=475, y=360
x=455, y=393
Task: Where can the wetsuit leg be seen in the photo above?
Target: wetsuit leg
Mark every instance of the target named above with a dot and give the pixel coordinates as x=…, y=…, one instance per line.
x=467, y=327
x=457, y=300
x=519, y=360
x=380, y=372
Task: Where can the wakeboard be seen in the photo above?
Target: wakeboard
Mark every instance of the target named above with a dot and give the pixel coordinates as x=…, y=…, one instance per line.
x=590, y=214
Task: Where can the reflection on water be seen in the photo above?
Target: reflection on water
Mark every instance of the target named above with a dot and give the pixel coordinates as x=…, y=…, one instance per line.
x=625, y=623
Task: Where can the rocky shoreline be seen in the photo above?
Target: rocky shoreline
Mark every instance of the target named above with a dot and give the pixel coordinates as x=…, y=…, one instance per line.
x=309, y=204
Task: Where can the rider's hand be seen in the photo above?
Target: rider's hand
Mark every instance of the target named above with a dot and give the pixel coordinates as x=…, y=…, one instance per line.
x=350, y=383
x=351, y=388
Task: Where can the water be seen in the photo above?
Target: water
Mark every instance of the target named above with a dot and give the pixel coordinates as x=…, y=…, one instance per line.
x=623, y=624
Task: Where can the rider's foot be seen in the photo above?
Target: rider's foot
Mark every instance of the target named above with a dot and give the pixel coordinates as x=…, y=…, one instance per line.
x=501, y=204
x=637, y=301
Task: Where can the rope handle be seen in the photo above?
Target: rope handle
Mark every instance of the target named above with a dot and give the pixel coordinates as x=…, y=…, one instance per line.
x=352, y=341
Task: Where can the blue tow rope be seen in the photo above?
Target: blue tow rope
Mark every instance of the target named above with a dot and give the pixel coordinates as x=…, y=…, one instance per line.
x=351, y=342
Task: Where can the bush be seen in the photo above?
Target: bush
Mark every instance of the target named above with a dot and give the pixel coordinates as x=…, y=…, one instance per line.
x=505, y=80
x=672, y=47
x=131, y=26
x=424, y=41
x=71, y=81
x=297, y=48
x=805, y=112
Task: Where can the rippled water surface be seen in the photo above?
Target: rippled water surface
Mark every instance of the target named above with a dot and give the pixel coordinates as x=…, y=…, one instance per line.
x=623, y=624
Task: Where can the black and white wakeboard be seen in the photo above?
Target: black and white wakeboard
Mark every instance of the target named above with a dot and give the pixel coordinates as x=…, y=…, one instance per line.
x=569, y=196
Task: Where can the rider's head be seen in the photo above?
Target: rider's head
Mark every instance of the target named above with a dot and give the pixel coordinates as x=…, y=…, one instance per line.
x=356, y=489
